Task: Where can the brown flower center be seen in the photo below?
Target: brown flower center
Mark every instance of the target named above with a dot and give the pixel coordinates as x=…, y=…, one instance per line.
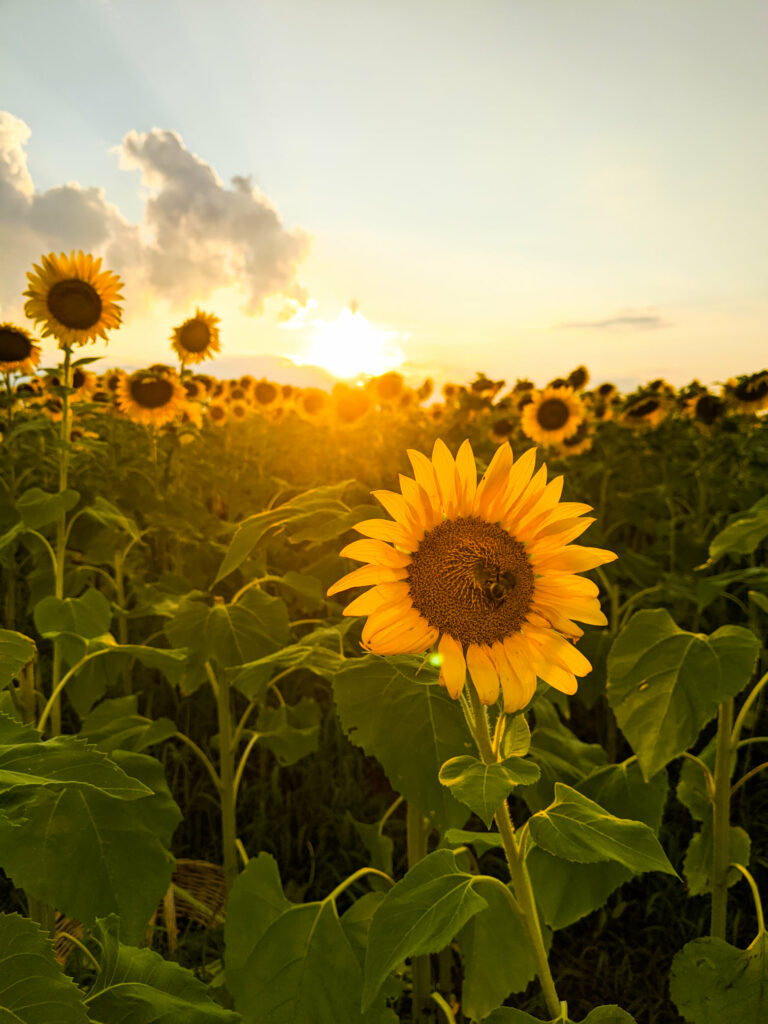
x=75, y=304
x=552, y=414
x=14, y=346
x=194, y=336
x=265, y=393
x=151, y=392
x=472, y=580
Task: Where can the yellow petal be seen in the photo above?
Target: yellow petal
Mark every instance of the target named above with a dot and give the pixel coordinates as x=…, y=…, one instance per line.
x=453, y=668
x=511, y=690
x=520, y=662
x=365, y=603
x=375, y=551
x=519, y=478
x=447, y=477
x=483, y=673
x=563, y=584
x=424, y=472
x=398, y=508
x=366, y=576
x=575, y=559
x=391, y=625
x=564, y=531
x=467, y=470
x=419, y=501
x=494, y=481
x=385, y=529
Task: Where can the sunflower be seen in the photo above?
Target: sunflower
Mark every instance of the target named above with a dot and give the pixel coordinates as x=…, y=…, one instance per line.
x=554, y=414
x=238, y=410
x=577, y=443
x=500, y=430
x=350, y=405
x=73, y=298
x=312, y=404
x=483, y=570
x=83, y=383
x=646, y=411
x=450, y=392
x=217, y=413
x=748, y=393
x=237, y=393
x=387, y=388
x=149, y=398
x=197, y=338
x=265, y=394
x=18, y=353
x=578, y=378
x=704, y=408
x=425, y=390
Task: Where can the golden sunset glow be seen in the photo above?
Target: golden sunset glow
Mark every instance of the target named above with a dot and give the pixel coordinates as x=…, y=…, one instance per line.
x=350, y=346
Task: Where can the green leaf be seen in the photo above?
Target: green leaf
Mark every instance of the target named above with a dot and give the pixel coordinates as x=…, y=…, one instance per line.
x=566, y=891
x=482, y=841
x=664, y=683
x=578, y=829
x=78, y=618
x=38, y=508
x=379, y=846
x=516, y=741
x=697, y=866
x=116, y=724
x=302, y=510
x=761, y=600
x=159, y=812
x=712, y=982
x=742, y=534
x=137, y=986
x=422, y=913
x=16, y=650
x=356, y=922
x=397, y=712
x=600, y=1015
x=485, y=787
x=86, y=854
x=109, y=515
x=33, y=987
x=253, y=678
x=496, y=953
x=290, y=731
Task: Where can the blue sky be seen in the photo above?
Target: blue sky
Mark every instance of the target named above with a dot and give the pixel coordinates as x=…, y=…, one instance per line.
x=513, y=186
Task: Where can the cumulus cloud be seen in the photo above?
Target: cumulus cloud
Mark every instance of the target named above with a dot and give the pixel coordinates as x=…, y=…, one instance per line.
x=638, y=322
x=197, y=234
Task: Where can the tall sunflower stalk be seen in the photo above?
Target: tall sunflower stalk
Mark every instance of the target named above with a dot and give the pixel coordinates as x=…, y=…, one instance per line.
x=75, y=302
x=487, y=572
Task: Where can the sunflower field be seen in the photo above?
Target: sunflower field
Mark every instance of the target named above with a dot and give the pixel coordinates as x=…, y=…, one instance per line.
x=317, y=707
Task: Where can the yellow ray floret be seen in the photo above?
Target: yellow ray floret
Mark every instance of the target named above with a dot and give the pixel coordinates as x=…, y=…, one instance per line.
x=484, y=570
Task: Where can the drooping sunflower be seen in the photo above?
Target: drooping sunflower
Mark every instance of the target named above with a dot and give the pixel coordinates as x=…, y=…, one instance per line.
x=149, y=398
x=704, y=408
x=197, y=338
x=748, y=393
x=18, y=352
x=646, y=411
x=73, y=298
x=425, y=390
x=486, y=571
x=553, y=414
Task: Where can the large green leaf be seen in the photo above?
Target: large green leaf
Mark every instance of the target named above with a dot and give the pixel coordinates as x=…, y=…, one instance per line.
x=743, y=533
x=116, y=724
x=664, y=683
x=16, y=650
x=578, y=829
x=567, y=891
x=713, y=982
x=137, y=986
x=697, y=866
x=496, y=953
x=109, y=515
x=33, y=987
x=86, y=616
x=253, y=678
x=397, y=712
x=484, y=787
x=600, y=1015
x=39, y=508
x=86, y=854
x=422, y=913
x=290, y=731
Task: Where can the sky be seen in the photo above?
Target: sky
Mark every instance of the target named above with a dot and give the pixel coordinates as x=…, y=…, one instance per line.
x=507, y=186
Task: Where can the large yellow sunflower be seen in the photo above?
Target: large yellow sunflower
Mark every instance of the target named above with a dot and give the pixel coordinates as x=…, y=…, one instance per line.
x=151, y=399
x=197, y=338
x=554, y=414
x=18, y=353
x=73, y=298
x=485, y=570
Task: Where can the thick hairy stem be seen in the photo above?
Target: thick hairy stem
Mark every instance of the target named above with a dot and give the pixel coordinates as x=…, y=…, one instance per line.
x=721, y=820
x=61, y=534
x=226, y=776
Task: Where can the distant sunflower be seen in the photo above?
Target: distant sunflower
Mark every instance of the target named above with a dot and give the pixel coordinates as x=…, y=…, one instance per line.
x=350, y=405
x=238, y=410
x=553, y=414
x=388, y=388
x=436, y=412
x=197, y=338
x=749, y=393
x=237, y=393
x=18, y=352
x=73, y=298
x=450, y=392
x=312, y=404
x=578, y=378
x=500, y=430
x=217, y=413
x=425, y=389
x=704, y=408
x=83, y=383
x=484, y=570
x=265, y=394
x=577, y=443
x=150, y=399
x=646, y=411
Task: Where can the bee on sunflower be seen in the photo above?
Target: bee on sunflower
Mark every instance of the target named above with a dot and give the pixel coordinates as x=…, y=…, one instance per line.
x=197, y=338
x=151, y=398
x=552, y=415
x=18, y=352
x=484, y=570
x=73, y=299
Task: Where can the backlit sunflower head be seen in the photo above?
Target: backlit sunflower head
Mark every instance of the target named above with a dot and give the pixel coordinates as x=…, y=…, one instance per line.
x=450, y=392
x=578, y=378
x=313, y=404
x=577, y=443
x=647, y=410
x=149, y=398
x=18, y=352
x=217, y=413
x=238, y=411
x=554, y=414
x=237, y=393
x=748, y=393
x=73, y=299
x=266, y=395
x=350, y=405
x=704, y=408
x=501, y=429
x=197, y=338
x=436, y=412
x=246, y=381
x=388, y=388
x=485, y=570
x=425, y=389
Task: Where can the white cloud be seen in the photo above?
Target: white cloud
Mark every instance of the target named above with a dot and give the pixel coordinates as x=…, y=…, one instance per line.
x=197, y=235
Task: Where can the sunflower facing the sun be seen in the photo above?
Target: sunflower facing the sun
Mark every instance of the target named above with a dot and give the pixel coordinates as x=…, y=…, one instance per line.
x=151, y=398
x=197, y=338
x=553, y=415
x=73, y=298
x=485, y=570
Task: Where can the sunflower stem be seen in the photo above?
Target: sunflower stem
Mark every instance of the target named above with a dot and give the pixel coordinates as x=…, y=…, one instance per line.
x=518, y=871
x=416, y=842
x=226, y=775
x=61, y=535
x=722, y=820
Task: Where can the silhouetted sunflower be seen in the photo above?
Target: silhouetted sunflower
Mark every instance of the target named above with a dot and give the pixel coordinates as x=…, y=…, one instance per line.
x=748, y=393
x=149, y=398
x=704, y=408
x=388, y=388
x=18, y=352
x=197, y=338
x=578, y=378
x=646, y=411
x=350, y=405
x=553, y=414
x=73, y=299
x=577, y=443
x=312, y=404
x=265, y=394
x=484, y=570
